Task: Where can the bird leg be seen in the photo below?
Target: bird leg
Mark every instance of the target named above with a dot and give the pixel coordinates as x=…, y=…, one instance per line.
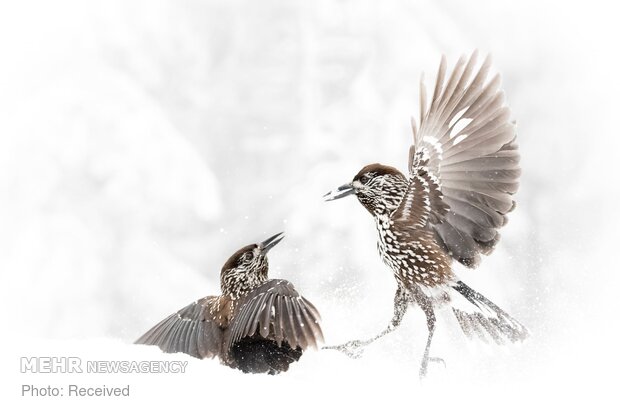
x=430, y=322
x=355, y=348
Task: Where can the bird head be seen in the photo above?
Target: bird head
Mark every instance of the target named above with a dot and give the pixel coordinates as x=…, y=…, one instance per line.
x=248, y=267
x=379, y=188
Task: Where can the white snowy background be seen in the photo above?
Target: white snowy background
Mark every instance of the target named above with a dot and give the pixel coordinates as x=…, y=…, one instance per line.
x=142, y=142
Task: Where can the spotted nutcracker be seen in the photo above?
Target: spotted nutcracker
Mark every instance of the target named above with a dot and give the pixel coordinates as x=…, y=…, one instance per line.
x=463, y=172
x=256, y=325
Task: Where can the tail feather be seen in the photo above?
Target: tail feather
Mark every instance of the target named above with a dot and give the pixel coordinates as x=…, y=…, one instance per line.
x=487, y=319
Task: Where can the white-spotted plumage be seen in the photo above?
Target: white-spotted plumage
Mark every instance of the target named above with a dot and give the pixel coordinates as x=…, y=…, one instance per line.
x=463, y=171
x=257, y=324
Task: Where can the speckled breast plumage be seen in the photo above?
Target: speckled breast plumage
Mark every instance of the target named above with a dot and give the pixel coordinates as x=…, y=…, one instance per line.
x=414, y=256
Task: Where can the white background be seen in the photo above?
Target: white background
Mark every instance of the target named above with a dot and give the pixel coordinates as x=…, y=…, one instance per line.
x=142, y=142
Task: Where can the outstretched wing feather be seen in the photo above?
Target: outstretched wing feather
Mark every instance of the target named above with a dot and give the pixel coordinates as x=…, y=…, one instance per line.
x=192, y=330
x=276, y=310
x=465, y=141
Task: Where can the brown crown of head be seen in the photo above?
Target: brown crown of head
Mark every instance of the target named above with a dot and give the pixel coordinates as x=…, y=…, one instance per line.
x=377, y=169
x=236, y=259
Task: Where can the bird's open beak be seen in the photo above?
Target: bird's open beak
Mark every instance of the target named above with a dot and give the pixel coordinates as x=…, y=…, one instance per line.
x=270, y=242
x=341, y=192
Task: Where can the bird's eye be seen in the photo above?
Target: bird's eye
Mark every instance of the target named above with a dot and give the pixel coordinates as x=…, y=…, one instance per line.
x=247, y=256
x=364, y=180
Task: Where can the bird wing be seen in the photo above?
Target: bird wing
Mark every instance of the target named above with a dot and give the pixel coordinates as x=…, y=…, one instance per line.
x=193, y=330
x=466, y=144
x=276, y=310
x=423, y=200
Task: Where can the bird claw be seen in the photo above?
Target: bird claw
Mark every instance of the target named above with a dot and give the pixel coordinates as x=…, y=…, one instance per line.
x=353, y=349
x=424, y=366
x=437, y=360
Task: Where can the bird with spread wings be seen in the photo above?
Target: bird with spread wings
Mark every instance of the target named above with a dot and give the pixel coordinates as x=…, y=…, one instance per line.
x=463, y=173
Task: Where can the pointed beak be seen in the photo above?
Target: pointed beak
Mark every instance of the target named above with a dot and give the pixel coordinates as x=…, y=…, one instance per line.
x=341, y=192
x=270, y=242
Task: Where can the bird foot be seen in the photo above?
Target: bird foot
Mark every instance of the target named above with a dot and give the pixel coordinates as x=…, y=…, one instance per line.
x=353, y=349
x=424, y=366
